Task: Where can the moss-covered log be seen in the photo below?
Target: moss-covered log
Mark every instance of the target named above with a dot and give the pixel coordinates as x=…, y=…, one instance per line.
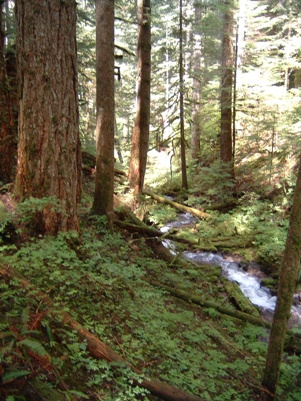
x=258, y=321
x=126, y=219
x=239, y=299
x=196, y=212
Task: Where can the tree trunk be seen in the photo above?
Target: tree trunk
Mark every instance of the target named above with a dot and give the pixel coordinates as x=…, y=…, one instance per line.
x=182, y=131
x=105, y=119
x=8, y=123
x=290, y=268
x=196, y=84
x=140, y=137
x=226, y=89
x=49, y=157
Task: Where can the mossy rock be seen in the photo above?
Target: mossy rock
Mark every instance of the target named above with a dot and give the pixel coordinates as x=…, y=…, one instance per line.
x=237, y=297
x=269, y=282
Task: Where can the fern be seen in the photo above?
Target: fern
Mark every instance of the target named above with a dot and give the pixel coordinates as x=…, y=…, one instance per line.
x=25, y=317
x=14, y=374
x=34, y=346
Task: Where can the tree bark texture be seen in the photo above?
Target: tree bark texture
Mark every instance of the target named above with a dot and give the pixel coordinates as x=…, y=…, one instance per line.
x=182, y=130
x=105, y=105
x=196, y=83
x=8, y=115
x=290, y=268
x=140, y=137
x=49, y=154
x=226, y=88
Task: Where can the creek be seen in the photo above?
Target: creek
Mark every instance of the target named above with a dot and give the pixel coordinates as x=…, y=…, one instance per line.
x=248, y=277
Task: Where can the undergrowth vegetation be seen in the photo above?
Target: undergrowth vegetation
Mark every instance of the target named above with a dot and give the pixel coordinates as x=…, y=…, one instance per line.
x=103, y=281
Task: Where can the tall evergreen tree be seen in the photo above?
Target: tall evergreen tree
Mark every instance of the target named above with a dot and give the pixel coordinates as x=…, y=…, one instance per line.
x=140, y=138
x=8, y=123
x=181, y=80
x=287, y=284
x=105, y=105
x=49, y=157
x=196, y=82
x=226, y=88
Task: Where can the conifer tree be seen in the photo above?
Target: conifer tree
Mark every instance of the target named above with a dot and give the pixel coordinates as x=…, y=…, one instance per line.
x=49, y=156
x=290, y=268
x=105, y=114
x=8, y=107
x=196, y=82
x=226, y=135
x=140, y=138
x=181, y=80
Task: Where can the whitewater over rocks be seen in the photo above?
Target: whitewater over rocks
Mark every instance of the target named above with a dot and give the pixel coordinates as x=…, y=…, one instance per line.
x=248, y=279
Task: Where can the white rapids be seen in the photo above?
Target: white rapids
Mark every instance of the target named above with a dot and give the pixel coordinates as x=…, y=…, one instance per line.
x=249, y=283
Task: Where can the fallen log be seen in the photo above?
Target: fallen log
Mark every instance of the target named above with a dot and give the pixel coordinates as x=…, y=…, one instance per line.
x=100, y=350
x=258, y=321
x=153, y=232
x=126, y=219
x=292, y=341
x=211, y=244
x=196, y=212
x=239, y=299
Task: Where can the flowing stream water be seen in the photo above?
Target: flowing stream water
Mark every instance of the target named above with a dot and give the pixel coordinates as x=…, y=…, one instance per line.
x=248, y=278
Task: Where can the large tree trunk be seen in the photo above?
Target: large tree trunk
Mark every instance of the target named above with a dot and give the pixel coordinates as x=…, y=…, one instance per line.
x=287, y=284
x=49, y=157
x=140, y=137
x=104, y=179
x=226, y=89
x=8, y=123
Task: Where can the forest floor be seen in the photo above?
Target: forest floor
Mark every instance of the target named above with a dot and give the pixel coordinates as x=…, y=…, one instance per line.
x=112, y=286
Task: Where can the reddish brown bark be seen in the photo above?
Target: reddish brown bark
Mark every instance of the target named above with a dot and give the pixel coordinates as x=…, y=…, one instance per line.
x=8, y=123
x=49, y=157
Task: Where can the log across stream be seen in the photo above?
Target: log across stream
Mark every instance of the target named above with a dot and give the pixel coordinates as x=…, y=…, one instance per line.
x=248, y=279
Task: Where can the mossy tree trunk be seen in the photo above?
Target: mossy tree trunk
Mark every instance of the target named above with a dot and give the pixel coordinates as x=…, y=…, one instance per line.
x=105, y=115
x=140, y=137
x=287, y=284
x=49, y=154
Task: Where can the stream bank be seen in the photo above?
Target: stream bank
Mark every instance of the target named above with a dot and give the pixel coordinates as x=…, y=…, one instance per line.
x=249, y=277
